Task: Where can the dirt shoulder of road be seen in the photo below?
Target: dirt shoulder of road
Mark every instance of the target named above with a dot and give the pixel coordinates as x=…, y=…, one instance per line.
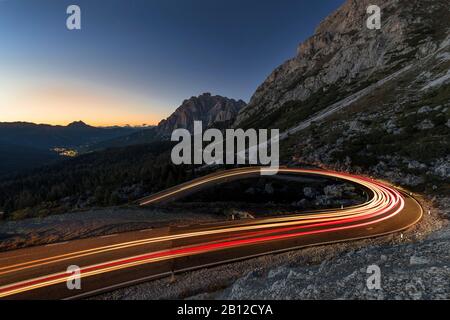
x=91, y=223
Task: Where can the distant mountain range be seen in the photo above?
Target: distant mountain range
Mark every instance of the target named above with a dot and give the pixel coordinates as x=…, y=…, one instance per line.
x=26, y=145
x=43, y=136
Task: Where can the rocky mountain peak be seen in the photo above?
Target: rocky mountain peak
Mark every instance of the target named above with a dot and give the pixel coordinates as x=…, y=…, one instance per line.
x=207, y=108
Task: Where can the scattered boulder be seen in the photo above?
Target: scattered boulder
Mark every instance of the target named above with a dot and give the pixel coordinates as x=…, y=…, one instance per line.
x=310, y=192
x=333, y=191
x=442, y=168
x=426, y=125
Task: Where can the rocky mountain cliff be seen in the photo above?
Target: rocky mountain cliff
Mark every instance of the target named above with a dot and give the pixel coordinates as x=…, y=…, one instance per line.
x=367, y=101
x=344, y=56
x=211, y=110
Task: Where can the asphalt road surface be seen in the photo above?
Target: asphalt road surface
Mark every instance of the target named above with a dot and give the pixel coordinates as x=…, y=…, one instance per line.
x=115, y=261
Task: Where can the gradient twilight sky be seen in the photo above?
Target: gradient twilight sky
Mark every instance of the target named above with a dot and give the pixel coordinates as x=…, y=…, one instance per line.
x=135, y=61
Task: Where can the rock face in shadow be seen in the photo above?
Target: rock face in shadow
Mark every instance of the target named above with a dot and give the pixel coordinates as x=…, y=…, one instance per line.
x=211, y=110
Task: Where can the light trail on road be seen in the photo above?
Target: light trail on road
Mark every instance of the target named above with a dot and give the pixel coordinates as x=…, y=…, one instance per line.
x=384, y=210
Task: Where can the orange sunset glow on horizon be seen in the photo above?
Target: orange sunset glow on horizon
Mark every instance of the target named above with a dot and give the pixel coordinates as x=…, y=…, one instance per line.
x=60, y=106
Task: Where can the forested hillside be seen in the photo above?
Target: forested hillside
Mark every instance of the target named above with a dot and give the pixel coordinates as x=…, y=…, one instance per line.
x=106, y=178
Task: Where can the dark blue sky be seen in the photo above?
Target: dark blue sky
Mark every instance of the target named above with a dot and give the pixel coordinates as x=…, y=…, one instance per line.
x=153, y=53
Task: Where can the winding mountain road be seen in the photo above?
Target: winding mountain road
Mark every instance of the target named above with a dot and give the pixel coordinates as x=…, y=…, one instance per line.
x=124, y=259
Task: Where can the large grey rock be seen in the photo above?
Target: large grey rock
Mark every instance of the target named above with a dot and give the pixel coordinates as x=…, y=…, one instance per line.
x=442, y=168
